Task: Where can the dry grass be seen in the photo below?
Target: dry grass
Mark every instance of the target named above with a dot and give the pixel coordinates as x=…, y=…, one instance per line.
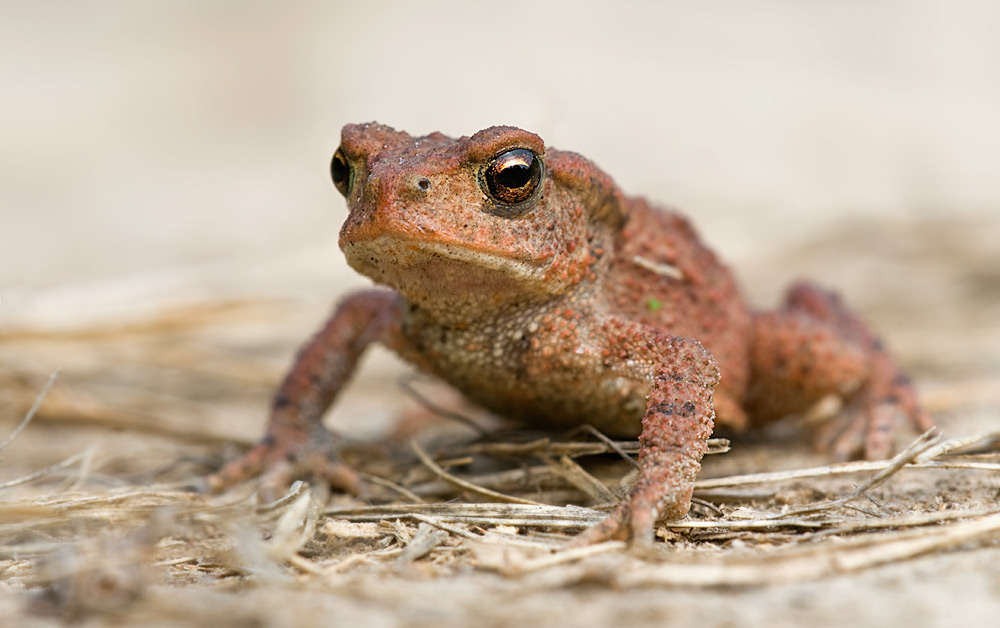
x=99, y=521
x=84, y=550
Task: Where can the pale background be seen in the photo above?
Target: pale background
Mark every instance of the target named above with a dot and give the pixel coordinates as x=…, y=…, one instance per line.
x=157, y=153
x=183, y=146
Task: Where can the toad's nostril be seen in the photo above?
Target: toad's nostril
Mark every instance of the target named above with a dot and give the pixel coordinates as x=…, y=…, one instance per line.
x=424, y=184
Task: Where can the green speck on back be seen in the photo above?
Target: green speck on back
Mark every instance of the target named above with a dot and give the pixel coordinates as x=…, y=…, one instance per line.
x=653, y=305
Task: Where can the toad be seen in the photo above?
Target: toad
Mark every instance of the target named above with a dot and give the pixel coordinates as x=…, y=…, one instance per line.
x=526, y=279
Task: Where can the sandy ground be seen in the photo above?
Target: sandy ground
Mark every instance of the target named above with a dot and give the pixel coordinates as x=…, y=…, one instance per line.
x=168, y=238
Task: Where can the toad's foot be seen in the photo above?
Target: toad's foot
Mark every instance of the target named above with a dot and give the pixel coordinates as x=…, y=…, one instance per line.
x=873, y=415
x=281, y=460
x=634, y=520
x=814, y=347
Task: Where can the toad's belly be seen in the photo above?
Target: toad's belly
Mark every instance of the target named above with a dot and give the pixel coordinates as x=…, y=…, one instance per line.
x=560, y=391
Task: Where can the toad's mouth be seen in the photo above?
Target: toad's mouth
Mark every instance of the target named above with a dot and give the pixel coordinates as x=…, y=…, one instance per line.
x=412, y=263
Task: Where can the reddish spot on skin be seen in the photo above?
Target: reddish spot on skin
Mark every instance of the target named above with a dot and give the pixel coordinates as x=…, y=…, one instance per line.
x=467, y=276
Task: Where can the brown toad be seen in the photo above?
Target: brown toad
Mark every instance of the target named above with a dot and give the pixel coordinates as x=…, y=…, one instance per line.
x=524, y=277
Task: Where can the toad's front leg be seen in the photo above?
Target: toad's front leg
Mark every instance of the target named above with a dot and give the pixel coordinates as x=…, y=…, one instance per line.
x=296, y=444
x=675, y=430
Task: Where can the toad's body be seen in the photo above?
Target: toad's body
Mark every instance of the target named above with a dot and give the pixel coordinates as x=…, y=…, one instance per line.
x=522, y=276
x=570, y=360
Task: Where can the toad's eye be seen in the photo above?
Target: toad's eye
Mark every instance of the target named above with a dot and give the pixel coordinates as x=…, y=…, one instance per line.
x=340, y=171
x=512, y=177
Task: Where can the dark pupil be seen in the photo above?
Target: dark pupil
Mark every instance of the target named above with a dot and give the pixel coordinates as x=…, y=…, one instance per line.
x=517, y=172
x=338, y=169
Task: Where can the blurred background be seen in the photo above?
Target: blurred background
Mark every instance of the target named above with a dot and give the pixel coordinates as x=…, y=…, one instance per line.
x=168, y=234
x=160, y=149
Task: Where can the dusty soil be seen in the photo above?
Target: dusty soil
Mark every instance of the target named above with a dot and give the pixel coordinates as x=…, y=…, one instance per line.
x=143, y=408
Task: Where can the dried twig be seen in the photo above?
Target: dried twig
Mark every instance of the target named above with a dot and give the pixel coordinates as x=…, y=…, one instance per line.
x=64, y=464
x=610, y=444
x=464, y=485
x=402, y=490
x=923, y=460
x=574, y=449
x=31, y=411
x=523, y=567
x=814, y=561
x=578, y=477
x=924, y=442
x=510, y=479
x=406, y=383
x=512, y=514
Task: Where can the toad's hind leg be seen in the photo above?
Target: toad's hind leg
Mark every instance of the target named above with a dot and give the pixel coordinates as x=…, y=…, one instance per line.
x=812, y=347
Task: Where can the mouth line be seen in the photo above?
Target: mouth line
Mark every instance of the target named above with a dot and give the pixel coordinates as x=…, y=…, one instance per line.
x=415, y=251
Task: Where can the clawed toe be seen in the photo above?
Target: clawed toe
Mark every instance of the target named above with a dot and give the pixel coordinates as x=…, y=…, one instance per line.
x=632, y=521
x=243, y=468
x=612, y=528
x=275, y=481
x=279, y=463
x=867, y=425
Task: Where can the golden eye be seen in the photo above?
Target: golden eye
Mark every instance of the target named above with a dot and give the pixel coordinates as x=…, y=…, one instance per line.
x=340, y=171
x=512, y=177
